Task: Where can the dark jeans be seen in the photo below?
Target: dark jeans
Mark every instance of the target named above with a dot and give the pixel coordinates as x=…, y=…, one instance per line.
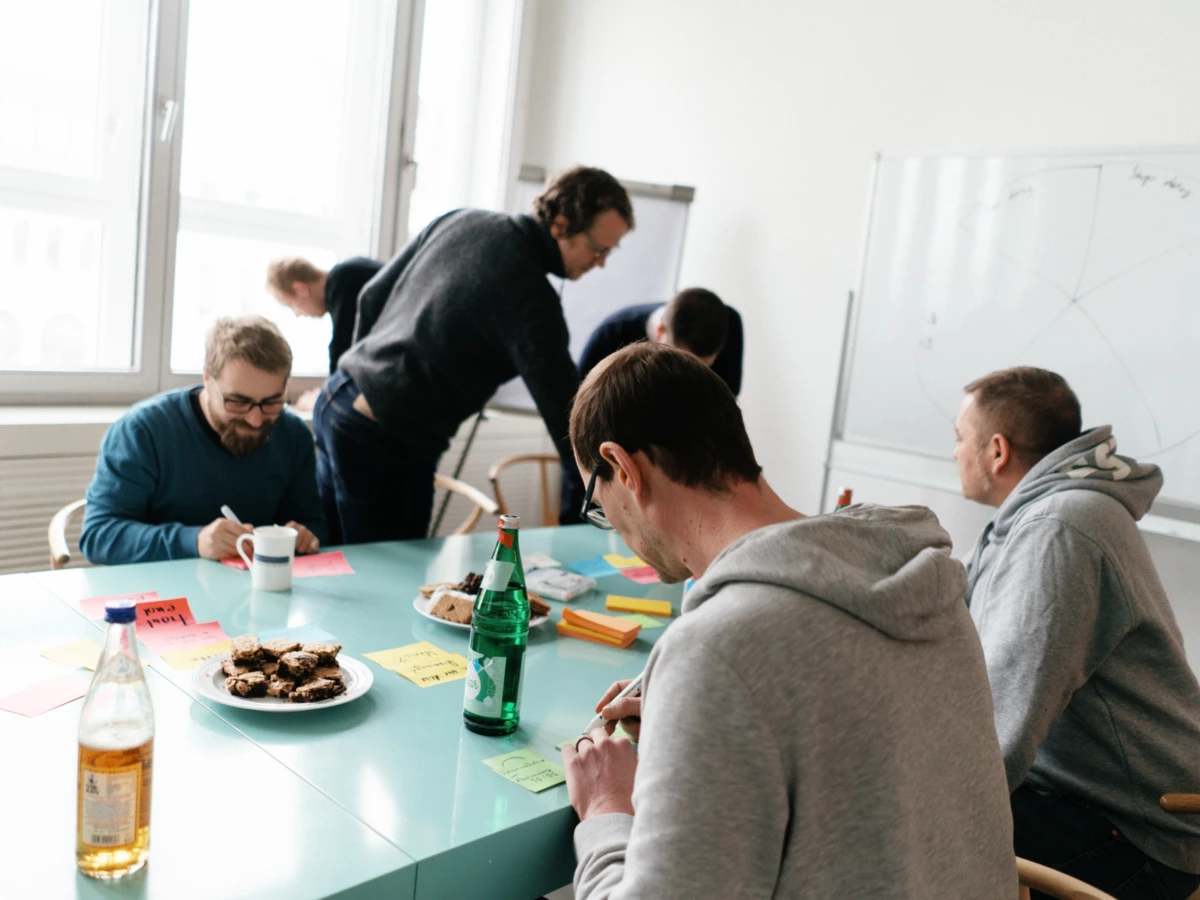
x=373, y=487
x=1075, y=838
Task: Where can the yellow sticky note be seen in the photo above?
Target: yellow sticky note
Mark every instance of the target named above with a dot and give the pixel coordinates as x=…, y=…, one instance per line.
x=623, y=562
x=190, y=657
x=526, y=768
x=423, y=664
x=638, y=605
x=83, y=653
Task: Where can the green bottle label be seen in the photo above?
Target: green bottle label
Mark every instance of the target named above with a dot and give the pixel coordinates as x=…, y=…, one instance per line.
x=485, y=680
x=496, y=576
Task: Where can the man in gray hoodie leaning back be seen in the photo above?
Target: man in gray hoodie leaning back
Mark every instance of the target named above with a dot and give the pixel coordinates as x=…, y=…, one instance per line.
x=1097, y=711
x=818, y=723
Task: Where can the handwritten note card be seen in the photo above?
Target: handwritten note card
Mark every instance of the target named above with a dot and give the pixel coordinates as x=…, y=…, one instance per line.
x=180, y=637
x=527, y=769
x=84, y=654
x=163, y=615
x=190, y=657
x=423, y=664
x=93, y=607
x=46, y=695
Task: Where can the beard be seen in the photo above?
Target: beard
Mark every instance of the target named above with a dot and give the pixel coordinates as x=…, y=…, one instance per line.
x=244, y=442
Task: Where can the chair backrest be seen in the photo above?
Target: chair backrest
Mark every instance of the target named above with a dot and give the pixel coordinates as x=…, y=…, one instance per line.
x=60, y=550
x=483, y=503
x=544, y=461
x=1054, y=883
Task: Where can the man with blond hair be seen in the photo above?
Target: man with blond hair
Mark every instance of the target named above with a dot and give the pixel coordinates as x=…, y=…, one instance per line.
x=168, y=465
x=312, y=292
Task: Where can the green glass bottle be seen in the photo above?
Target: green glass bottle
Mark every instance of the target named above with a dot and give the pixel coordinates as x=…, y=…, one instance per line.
x=499, y=632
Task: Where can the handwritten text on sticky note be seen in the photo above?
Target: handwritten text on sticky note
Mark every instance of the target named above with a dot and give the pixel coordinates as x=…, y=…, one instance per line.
x=527, y=769
x=180, y=637
x=423, y=664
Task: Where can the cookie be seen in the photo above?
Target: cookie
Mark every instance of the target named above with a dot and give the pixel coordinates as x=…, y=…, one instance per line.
x=246, y=650
x=316, y=690
x=537, y=606
x=333, y=673
x=252, y=684
x=280, y=687
x=428, y=590
x=453, y=606
x=269, y=668
x=274, y=649
x=296, y=665
x=232, y=669
x=325, y=653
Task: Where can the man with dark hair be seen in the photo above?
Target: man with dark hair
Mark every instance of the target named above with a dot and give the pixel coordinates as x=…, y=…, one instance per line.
x=462, y=309
x=1097, y=711
x=695, y=320
x=817, y=723
x=168, y=465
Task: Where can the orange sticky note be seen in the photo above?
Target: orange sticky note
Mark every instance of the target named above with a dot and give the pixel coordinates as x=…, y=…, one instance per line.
x=566, y=629
x=598, y=622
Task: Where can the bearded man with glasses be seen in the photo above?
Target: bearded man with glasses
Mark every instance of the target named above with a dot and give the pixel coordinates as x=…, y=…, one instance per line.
x=168, y=465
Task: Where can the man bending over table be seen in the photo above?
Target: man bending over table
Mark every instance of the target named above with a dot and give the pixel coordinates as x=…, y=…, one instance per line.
x=817, y=724
x=169, y=464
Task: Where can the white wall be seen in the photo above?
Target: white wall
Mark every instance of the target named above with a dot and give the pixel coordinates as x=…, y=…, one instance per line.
x=773, y=111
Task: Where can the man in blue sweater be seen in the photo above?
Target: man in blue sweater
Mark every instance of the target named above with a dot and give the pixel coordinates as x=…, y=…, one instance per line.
x=1097, y=710
x=168, y=465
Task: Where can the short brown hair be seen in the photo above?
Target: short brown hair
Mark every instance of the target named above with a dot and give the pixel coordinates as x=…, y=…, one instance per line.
x=281, y=273
x=254, y=339
x=580, y=194
x=698, y=321
x=669, y=405
x=1034, y=408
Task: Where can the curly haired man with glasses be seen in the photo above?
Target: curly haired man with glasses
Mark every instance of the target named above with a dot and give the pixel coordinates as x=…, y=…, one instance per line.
x=170, y=463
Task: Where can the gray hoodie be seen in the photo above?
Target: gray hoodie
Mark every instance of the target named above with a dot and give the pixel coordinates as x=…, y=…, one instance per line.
x=1094, y=698
x=817, y=725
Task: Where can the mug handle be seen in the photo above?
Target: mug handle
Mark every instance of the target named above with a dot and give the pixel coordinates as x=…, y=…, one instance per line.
x=241, y=552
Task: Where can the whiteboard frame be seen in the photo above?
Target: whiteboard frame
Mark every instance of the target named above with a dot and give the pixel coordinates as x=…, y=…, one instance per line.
x=918, y=469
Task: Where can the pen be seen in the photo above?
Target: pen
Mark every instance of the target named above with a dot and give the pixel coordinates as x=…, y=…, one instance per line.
x=633, y=689
x=229, y=514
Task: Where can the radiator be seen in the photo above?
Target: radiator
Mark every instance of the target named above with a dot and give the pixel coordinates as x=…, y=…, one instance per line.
x=34, y=488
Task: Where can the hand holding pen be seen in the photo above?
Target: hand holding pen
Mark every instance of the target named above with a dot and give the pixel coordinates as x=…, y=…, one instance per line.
x=621, y=703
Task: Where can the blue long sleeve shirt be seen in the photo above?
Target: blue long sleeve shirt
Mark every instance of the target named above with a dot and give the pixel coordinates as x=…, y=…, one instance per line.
x=160, y=479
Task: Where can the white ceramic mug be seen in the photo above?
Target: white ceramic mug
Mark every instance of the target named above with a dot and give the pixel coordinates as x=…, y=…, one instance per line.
x=274, y=548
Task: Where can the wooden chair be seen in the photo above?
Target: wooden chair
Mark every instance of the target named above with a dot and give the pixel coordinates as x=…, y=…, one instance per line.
x=1183, y=805
x=1035, y=876
x=483, y=503
x=544, y=461
x=60, y=551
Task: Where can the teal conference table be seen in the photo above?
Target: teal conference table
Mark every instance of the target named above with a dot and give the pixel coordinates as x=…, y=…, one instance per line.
x=227, y=820
x=398, y=760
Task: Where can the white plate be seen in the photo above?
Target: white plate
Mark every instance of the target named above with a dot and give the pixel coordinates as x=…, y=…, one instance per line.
x=209, y=680
x=424, y=604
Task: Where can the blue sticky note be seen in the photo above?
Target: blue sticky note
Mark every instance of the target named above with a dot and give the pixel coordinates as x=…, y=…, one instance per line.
x=305, y=634
x=596, y=567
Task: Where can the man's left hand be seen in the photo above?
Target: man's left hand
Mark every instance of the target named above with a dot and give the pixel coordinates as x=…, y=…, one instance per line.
x=306, y=541
x=600, y=771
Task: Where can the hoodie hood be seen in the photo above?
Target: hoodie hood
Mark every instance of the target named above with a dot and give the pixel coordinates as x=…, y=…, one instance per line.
x=890, y=567
x=1088, y=463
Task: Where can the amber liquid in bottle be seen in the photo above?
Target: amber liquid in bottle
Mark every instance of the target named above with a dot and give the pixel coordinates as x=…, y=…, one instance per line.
x=113, y=838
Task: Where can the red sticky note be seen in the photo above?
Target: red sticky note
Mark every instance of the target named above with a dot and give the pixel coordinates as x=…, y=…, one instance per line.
x=234, y=562
x=46, y=695
x=163, y=615
x=642, y=575
x=178, y=637
x=332, y=563
x=93, y=607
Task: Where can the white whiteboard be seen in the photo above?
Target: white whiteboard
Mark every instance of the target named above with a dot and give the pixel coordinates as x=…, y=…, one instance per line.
x=1086, y=265
x=645, y=269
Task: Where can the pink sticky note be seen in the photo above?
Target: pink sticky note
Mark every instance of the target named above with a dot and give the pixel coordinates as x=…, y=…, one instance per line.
x=642, y=575
x=46, y=695
x=163, y=615
x=178, y=637
x=93, y=607
x=234, y=562
x=332, y=563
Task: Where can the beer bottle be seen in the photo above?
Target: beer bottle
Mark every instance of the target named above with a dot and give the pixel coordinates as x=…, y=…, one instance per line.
x=499, y=631
x=116, y=756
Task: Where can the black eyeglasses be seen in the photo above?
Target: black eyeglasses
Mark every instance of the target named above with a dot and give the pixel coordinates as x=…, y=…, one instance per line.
x=598, y=251
x=241, y=406
x=592, y=511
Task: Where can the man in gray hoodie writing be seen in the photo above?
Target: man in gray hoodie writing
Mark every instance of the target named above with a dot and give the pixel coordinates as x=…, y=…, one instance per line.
x=818, y=723
x=1097, y=711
